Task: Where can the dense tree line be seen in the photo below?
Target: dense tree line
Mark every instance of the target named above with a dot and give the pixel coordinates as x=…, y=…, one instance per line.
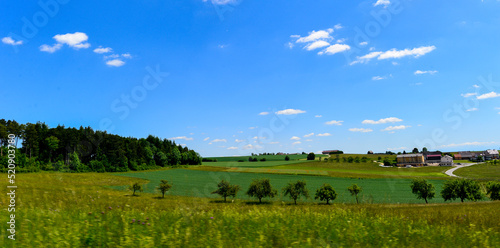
x=84, y=149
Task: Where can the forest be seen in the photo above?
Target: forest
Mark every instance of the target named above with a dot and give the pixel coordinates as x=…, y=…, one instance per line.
x=85, y=150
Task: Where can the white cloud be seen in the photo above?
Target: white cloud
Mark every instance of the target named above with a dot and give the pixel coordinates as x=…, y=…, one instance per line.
x=181, y=138
x=253, y=127
x=382, y=2
x=308, y=135
x=376, y=78
x=469, y=94
x=364, y=43
x=338, y=26
x=250, y=146
x=76, y=40
x=488, y=95
x=101, y=49
x=382, y=121
x=316, y=45
x=476, y=86
x=9, y=41
x=218, y=140
x=396, y=149
x=419, y=72
x=296, y=143
x=361, y=130
x=126, y=55
x=294, y=138
x=274, y=142
x=335, y=48
x=263, y=113
x=207, y=138
x=111, y=56
x=475, y=143
x=232, y=148
x=290, y=112
x=222, y=2
x=238, y=140
x=472, y=109
x=318, y=116
x=392, y=128
x=333, y=122
x=323, y=134
x=395, y=54
x=115, y=62
x=416, y=52
x=309, y=140
x=315, y=36
x=50, y=49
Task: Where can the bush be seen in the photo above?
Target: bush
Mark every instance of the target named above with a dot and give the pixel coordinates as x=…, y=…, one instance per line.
x=263, y=159
x=287, y=158
x=493, y=190
x=311, y=156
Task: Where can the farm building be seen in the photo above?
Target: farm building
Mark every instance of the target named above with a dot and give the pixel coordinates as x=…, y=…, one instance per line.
x=457, y=156
x=491, y=154
x=416, y=159
x=446, y=161
x=332, y=151
x=465, y=155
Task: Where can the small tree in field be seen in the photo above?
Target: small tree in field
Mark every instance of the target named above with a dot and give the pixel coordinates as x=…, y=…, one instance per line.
x=422, y=189
x=136, y=187
x=260, y=189
x=461, y=188
x=164, y=187
x=311, y=156
x=493, y=190
x=355, y=190
x=326, y=193
x=287, y=158
x=295, y=190
x=225, y=189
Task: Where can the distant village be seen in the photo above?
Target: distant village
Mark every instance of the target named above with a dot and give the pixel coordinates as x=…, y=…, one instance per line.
x=437, y=159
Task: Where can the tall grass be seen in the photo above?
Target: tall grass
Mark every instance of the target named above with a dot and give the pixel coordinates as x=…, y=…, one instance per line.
x=75, y=210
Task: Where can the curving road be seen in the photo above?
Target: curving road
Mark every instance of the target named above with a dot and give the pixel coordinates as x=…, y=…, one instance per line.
x=450, y=171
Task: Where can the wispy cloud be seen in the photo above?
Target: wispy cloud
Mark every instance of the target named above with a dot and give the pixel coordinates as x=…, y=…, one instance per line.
x=323, y=134
x=181, y=138
x=218, y=140
x=316, y=45
x=232, y=148
x=335, y=48
x=308, y=135
x=334, y=122
x=395, y=54
x=290, y=112
x=101, y=50
x=488, y=95
x=376, y=78
x=361, y=130
x=207, y=138
x=263, y=113
x=9, y=41
x=472, y=109
x=238, y=140
x=393, y=128
x=296, y=143
x=251, y=147
x=475, y=143
x=321, y=39
x=318, y=116
x=295, y=138
x=115, y=62
x=419, y=72
x=469, y=94
x=50, y=49
x=385, y=3
x=382, y=121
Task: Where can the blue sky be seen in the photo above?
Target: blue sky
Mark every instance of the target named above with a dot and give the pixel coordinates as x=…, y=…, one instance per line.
x=231, y=77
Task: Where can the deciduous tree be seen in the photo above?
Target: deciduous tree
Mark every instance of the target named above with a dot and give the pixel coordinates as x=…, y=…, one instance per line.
x=225, y=189
x=295, y=190
x=422, y=189
x=260, y=189
x=462, y=189
x=355, y=190
x=326, y=193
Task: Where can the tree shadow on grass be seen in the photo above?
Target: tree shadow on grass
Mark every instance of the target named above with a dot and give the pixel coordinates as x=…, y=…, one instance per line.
x=131, y=195
x=222, y=201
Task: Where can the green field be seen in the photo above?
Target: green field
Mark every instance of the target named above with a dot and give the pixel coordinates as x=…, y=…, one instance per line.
x=79, y=210
x=252, y=164
x=485, y=171
x=267, y=157
x=200, y=183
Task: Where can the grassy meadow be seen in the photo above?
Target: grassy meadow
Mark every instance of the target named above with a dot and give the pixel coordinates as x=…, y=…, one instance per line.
x=485, y=171
x=80, y=210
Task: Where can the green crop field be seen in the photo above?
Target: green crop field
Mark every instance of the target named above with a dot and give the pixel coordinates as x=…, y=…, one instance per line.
x=80, y=210
x=252, y=164
x=202, y=183
x=367, y=170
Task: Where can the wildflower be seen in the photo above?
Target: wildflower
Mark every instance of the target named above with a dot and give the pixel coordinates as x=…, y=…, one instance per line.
x=212, y=218
x=133, y=220
x=143, y=223
x=149, y=224
x=102, y=212
x=110, y=208
x=90, y=213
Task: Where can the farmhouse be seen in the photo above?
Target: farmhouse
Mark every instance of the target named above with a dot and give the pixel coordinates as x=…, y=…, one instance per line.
x=416, y=159
x=491, y=154
x=446, y=160
x=465, y=155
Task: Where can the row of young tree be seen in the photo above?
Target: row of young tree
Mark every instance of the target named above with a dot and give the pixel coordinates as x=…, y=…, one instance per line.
x=84, y=149
x=463, y=189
